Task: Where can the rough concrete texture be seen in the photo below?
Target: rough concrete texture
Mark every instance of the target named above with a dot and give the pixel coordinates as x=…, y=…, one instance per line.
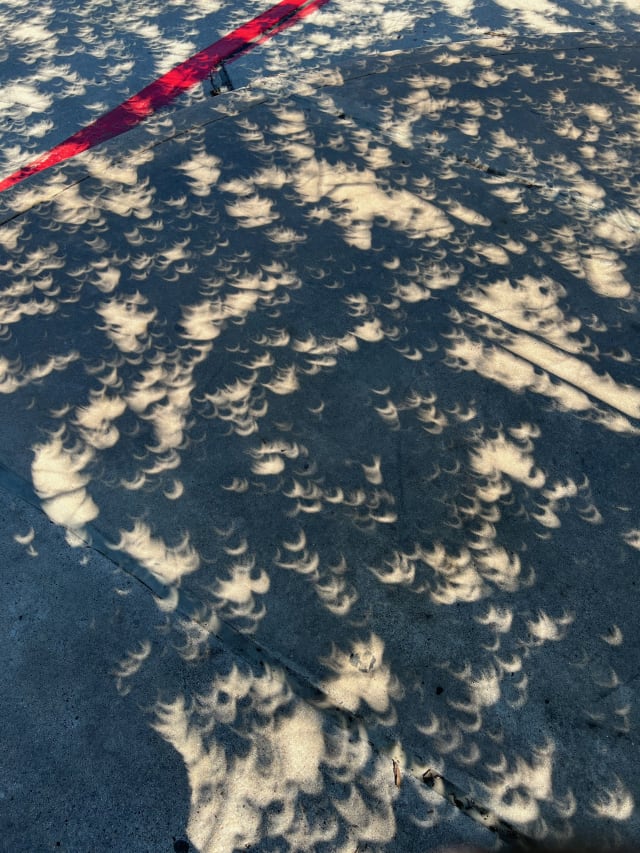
x=343, y=375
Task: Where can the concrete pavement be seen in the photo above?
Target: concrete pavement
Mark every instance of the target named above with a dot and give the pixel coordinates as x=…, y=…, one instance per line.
x=319, y=416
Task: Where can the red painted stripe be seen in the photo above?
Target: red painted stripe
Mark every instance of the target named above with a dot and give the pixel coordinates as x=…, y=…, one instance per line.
x=165, y=89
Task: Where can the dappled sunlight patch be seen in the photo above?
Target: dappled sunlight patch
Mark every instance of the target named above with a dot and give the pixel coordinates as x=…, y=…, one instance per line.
x=603, y=271
x=484, y=690
x=466, y=215
x=432, y=418
x=60, y=479
x=615, y=802
x=131, y=665
x=21, y=99
x=95, y=420
x=450, y=578
x=126, y=323
x=285, y=236
x=614, y=636
x=532, y=305
x=241, y=403
x=357, y=200
x=203, y=321
x=194, y=634
x=175, y=491
x=289, y=756
x=27, y=539
x=252, y=211
x=14, y=306
x=337, y=594
x=493, y=457
x=107, y=277
x=10, y=233
x=305, y=563
x=545, y=628
x=632, y=538
x=370, y=331
x=14, y=375
x=167, y=563
x=498, y=619
x=237, y=594
x=361, y=678
x=169, y=415
x=113, y=169
x=556, y=499
x=367, y=507
x=130, y=201
x=169, y=260
x=519, y=787
x=521, y=362
x=162, y=397
x=620, y=227
x=269, y=457
x=330, y=582
x=285, y=381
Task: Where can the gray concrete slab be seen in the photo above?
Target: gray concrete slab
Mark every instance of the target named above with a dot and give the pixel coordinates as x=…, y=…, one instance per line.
x=345, y=374
x=101, y=701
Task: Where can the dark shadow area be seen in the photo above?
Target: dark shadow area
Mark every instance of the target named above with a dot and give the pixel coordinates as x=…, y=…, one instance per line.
x=79, y=768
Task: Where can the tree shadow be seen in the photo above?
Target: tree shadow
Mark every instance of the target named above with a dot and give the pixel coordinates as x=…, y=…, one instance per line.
x=348, y=378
